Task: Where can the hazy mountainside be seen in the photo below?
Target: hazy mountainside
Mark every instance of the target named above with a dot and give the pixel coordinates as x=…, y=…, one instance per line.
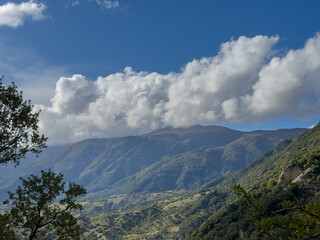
x=162, y=160
x=70, y=160
x=178, y=217
x=192, y=169
x=126, y=156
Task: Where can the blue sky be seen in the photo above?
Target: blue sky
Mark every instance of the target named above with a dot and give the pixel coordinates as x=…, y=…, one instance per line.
x=55, y=40
x=158, y=36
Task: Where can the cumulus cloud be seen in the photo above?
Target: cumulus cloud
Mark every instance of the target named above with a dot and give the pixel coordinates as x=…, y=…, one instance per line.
x=14, y=15
x=117, y=105
x=289, y=85
x=209, y=88
x=245, y=82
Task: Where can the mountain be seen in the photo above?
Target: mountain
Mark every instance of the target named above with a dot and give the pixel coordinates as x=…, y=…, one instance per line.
x=214, y=212
x=290, y=172
x=192, y=169
x=123, y=157
x=184, y=158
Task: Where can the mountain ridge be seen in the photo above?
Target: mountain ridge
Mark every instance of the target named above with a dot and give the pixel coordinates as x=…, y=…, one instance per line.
x=103, y=164
x=213, y=212
x=263, y=177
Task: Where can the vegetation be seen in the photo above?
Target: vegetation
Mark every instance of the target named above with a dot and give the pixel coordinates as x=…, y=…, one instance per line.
x=298, y=218
x=282, y=200
x=18, y=126
x=35, y=213
x=174, y=217
x=215, y=211
x=293, y=220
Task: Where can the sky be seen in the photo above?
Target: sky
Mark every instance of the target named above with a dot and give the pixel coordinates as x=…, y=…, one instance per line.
x=100, y=68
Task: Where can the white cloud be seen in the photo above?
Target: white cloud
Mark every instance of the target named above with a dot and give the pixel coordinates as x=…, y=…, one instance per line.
x=106, y=4
x=245, y=82
x=289, y=85
x=14, y=15
x=208, y=89
x=117, y=105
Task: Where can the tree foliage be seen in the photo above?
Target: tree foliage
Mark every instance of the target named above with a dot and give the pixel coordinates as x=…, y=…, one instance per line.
x=19, y=132
x=36, y=213
x=294, y=220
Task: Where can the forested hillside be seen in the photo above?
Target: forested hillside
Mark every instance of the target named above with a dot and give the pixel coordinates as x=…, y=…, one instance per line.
x=221, y=214
x=288, y=172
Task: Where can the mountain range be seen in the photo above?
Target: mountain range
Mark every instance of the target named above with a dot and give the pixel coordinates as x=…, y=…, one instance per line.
x=168, y=159
x=288, y=171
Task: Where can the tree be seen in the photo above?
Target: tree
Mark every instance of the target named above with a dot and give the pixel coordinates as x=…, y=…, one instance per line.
x=292, y=221
x=19, y=133
x=35, y=210
x=36, y=213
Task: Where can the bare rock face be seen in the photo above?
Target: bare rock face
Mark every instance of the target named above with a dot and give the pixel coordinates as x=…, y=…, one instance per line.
x=303, y=176
x=287, y=175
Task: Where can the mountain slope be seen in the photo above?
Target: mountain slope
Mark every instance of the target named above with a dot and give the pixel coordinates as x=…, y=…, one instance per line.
x=126, y=156
x=70, y=160
x=176, y=218
x=193, y=169
x=182, y=158
x=260, y=177
x=99, y=163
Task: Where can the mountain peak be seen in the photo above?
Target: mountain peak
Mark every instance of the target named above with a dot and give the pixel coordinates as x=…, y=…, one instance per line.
x=190, y=130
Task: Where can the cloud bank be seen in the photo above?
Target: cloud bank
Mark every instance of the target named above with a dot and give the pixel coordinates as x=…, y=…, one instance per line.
x=245, y=82
x=14, y=15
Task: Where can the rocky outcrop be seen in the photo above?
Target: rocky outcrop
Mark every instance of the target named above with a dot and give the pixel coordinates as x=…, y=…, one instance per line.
x=288, y=175
x=303, y=176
